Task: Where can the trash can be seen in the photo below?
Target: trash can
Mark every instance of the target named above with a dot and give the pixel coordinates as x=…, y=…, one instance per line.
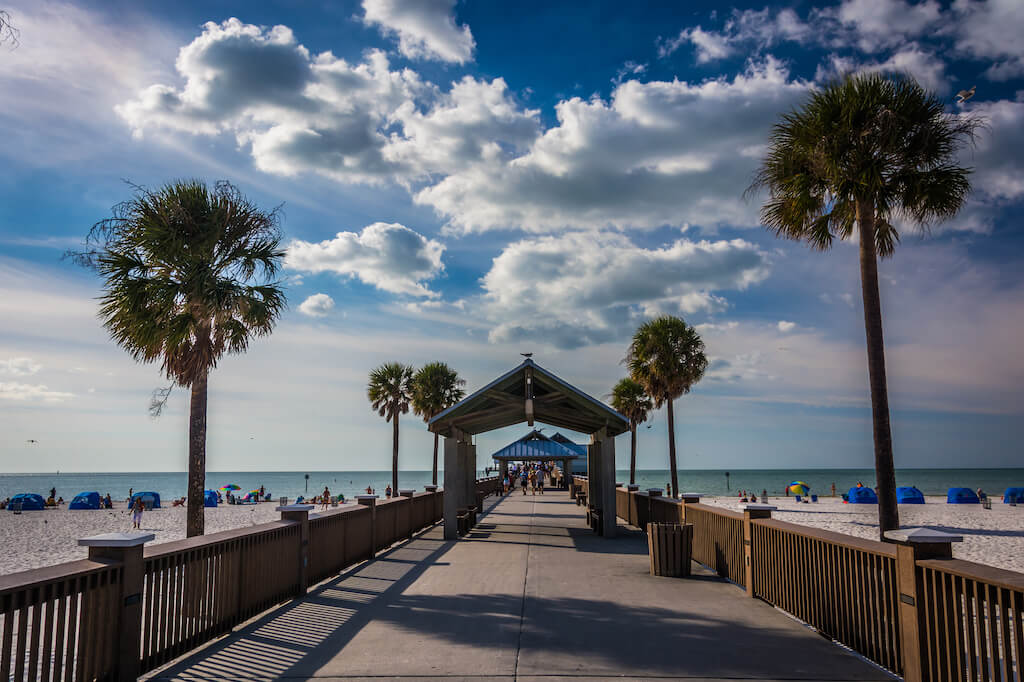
x=670, y=546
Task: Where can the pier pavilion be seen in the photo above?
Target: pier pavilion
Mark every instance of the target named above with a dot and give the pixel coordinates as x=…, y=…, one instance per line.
x=529, y=393
x=536, y=447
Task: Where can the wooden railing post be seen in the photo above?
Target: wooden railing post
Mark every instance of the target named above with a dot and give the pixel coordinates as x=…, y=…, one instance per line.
x=652, y=495
x=751, y=512
x=371, y=502
x=300, y=513
x=126, y=548
x=687, y=498
x=410, y=524
x=913, y=544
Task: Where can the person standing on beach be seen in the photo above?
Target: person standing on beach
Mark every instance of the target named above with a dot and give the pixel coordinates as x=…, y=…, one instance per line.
x=137, y=514
x=833, y=488
x=326, y=498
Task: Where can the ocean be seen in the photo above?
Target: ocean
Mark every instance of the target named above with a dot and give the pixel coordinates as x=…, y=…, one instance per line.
x=293, y=484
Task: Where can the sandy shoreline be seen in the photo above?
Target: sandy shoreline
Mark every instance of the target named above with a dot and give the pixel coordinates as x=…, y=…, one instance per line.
x=991, y=536
x=994, y=537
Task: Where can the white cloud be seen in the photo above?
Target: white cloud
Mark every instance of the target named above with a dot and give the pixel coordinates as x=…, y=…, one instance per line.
x=746, y=30
x=925, y=66
x=389, y=256
x=992, y=31
x=426, y=29
x=582, y=288
x=709, y=44
x=785, y=326
x=886, y=23
x=19, y=367
x=317, y=305
x=25, y=393
x=657, y=153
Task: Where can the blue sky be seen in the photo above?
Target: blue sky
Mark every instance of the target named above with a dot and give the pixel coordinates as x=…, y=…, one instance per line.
x=463, y=181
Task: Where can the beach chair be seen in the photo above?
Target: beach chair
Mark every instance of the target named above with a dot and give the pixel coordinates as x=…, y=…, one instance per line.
x=16, y=507
x=798, y=499
x=814, y=498
x=283, y=501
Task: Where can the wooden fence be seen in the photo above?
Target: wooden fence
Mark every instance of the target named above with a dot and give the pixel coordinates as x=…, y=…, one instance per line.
x=929, y=619
x=107, y=618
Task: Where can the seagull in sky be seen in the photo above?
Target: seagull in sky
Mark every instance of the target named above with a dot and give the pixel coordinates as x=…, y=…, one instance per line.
x=31, y=440
x=965, y=95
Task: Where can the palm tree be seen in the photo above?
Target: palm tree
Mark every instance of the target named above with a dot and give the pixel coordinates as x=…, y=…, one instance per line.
x=390, y=392
x=188, y=273
x=629, y=398
x=866, y=151
x=435, y=387
x=667, y=358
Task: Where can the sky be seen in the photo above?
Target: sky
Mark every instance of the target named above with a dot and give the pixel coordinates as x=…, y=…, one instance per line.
x=468, y=180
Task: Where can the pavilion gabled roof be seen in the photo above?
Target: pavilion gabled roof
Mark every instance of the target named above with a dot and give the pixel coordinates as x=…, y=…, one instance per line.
x=507, y=401
x=535, y=445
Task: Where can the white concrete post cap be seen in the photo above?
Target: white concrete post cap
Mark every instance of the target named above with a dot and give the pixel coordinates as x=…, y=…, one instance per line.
x=759, y=507
x=407, y=491
x=366, y=497
x=294, y=507
x=117, y=540
x=655, y=492
x=921, y=535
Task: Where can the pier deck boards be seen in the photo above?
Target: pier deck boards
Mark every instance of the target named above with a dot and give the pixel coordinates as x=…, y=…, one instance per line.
x=532, y=594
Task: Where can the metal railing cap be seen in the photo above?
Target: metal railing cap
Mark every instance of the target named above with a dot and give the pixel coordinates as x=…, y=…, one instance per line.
x=760, y=507
x=117, y=540
x=921, y=535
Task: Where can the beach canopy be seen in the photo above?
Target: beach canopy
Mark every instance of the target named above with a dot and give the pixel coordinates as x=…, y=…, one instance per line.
x=29, y=502
x=962, y=496
x=231, y=486
x=1013, y=495
x=87, y=500
x=862, y=495
x=210, y=498
x=149, y=499
x=799, y=488
x=909, y=495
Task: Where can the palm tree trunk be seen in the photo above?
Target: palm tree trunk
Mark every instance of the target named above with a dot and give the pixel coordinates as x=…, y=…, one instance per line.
x=394, y=456
x=632, y=454
x=672, y=450
x=885, y=473
x=434, y=480
x=194, y=519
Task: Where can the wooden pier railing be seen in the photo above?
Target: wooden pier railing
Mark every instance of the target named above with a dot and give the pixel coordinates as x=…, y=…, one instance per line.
x=131, y=610
x=928, y=619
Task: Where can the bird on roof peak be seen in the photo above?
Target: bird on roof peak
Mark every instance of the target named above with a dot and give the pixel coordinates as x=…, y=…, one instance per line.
x=527, y=355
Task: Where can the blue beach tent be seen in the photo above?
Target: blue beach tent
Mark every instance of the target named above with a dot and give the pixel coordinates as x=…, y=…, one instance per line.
x=85, y=501
x=29, y=502
x=909, y=495
x=962, y=496
x=154, y=497
x=863, y=495
x=1013, y=495
x=210, y=498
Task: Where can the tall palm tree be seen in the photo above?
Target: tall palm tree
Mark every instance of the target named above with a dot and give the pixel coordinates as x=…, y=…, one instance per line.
x=863, y=152
x=390, y=392
x=435, y=388
x=629, y=398
x=667, y=358
x=188, y=276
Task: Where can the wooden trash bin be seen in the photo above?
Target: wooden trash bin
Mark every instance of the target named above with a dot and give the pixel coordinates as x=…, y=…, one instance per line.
x=670, y=546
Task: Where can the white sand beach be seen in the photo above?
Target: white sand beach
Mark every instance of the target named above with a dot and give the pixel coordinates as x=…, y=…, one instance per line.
x=43, y=538
x=991, y=536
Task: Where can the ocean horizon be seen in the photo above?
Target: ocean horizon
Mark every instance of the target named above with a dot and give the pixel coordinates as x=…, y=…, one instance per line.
x=291, y=484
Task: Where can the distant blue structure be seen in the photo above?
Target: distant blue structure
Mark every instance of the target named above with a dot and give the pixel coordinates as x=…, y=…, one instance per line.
x=210, y=498
x=149, y=498
x=962, y=496
x=88, y=500
x=29, y=502
x=909, y=495
x=1013, y=495
x=863, y=495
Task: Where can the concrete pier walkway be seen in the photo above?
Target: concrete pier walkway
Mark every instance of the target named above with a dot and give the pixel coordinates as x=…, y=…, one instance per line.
x=532, y=594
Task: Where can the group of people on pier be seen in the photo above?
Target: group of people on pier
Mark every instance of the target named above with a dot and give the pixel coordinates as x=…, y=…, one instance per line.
x=531, y=476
